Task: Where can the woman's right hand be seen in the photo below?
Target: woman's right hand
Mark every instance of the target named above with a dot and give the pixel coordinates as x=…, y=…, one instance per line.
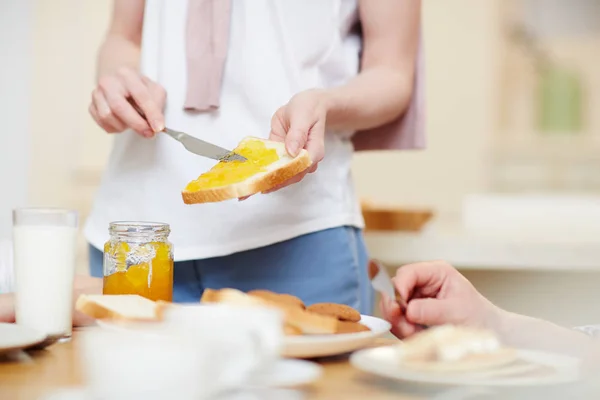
x=112, y=111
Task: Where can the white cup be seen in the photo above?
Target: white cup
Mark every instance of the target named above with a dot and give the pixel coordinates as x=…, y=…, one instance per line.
x=6, y=267
x=143, y=365
x=247, y=339
x=197, y=353
x=44, y=252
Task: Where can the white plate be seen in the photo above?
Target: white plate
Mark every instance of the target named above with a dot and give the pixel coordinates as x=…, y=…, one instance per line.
x=284, y=374
x=308, y=346
x=248, y=394
x=556, y=369
x=288, y=374
x=17, y=337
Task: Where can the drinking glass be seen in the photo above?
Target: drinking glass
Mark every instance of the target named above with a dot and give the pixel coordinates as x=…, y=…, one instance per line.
x=44, y=251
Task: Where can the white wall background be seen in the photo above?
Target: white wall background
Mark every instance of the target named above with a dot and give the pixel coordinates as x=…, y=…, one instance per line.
x=462, y=68
x=65, y=140
x=16, y=23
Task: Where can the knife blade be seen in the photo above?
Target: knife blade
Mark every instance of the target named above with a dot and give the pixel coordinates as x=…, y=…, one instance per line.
x=382, y=282
x=202, y=148
x=195, y=145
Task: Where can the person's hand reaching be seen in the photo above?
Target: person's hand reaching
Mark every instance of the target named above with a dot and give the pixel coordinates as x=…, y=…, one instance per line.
x=83, y=284
x=438, y=294
x=300, y=124
x=112, y=111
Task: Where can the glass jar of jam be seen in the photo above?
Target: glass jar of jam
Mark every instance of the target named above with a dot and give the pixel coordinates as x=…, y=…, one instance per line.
x=138, y=259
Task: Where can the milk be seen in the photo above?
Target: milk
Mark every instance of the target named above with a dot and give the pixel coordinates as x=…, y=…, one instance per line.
x=44, y=267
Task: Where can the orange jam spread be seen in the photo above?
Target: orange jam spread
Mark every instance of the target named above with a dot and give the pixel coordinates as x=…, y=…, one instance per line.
x=258, y=156
x=152, y=279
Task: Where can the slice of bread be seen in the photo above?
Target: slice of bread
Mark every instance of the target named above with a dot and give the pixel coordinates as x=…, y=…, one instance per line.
x=287, y=299
x=449, y=348
x=296, y=318
x=470, y=363
x=275, y=174
x=120, y=307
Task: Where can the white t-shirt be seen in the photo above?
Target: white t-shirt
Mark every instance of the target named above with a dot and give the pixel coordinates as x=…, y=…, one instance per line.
x=276, y=49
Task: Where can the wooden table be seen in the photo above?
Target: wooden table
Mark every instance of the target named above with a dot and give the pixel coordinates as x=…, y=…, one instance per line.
x=58, y=367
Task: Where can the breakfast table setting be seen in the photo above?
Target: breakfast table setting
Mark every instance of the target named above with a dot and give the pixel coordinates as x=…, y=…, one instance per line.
x=230, y=344
x=48, y=373
x=56, y=373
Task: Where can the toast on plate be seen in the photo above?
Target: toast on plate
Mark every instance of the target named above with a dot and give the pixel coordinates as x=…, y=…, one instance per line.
x=296, y=318
x=322, y=318
x=450, y=348
x=268, y=165
x=123, y=307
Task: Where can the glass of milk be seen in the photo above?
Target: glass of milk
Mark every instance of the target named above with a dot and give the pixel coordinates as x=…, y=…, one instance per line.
x=44, y=252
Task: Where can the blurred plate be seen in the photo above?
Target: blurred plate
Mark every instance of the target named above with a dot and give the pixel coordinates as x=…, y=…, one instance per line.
x=531, y=368
x=284, y=374
x=306, y=346
x=311, y=346
x=15, y=337
x=288, y=374
x=245, y=394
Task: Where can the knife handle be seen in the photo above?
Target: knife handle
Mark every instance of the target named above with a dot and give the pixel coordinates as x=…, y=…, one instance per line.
x=137, y=108
x=401, y=302
x=374, y=268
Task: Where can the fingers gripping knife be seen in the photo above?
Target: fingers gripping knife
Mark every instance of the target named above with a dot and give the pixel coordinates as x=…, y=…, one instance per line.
x=381, y=281
x=195, y=145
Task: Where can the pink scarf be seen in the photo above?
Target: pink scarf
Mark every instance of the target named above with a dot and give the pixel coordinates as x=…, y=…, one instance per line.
x=207, y=36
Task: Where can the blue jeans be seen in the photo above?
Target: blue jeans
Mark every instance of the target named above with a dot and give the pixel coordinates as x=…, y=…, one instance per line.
x=324, y=266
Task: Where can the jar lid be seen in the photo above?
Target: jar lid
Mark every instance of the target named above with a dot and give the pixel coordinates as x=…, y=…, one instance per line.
x=139, y=228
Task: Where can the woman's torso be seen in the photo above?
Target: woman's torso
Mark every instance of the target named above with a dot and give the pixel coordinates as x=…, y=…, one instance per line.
x=276, y=49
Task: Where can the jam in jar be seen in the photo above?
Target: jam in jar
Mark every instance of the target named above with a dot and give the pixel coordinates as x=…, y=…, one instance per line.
x=138, y=259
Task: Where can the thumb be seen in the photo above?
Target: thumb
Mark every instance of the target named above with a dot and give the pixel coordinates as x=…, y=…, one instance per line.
x=295, y=140
x=431, y=312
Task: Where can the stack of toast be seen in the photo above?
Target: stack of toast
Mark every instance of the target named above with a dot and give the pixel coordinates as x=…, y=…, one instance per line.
x=299, y=319
x=319, y=319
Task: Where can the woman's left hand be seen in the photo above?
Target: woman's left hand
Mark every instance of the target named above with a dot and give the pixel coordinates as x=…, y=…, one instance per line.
x=301, y=125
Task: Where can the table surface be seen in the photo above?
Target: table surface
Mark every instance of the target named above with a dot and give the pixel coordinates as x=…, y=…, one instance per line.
x=57, y=368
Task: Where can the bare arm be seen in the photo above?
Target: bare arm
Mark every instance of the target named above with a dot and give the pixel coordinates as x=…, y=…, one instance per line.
x=121, y=48
x=526, y=332
x=119, y=78
x=379, y=94
x=382, y=90
x=446, y=297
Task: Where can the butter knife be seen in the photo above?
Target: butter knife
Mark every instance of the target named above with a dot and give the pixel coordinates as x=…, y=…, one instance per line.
x=195, y=145
x=382, y=282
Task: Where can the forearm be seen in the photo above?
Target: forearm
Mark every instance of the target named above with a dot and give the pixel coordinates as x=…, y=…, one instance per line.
x=382, y=90
x=116, y=52
x=375, y=97
x=121, y=48
x=526, y=332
